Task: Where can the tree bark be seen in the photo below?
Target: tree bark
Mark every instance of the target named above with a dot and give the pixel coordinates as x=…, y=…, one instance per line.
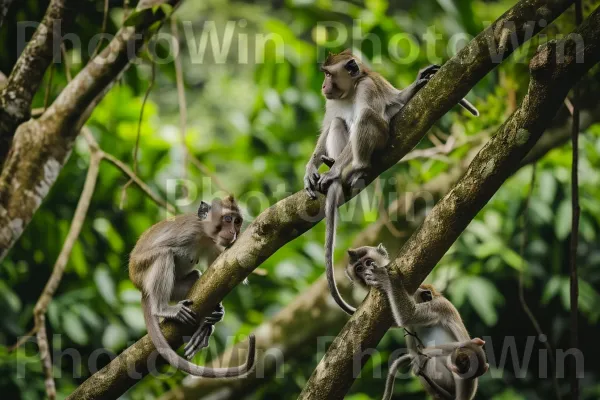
x=41, y=147
x=549, y=85
x=294, y=215
x=28, y=73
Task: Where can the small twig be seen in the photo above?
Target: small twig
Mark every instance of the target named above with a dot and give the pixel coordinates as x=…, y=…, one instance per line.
x=569, y=105
x=65, y=59
x=204, y=169
x=137, y=138
x=575, y=224
x=49, y=87
x=103, y=30
x=524, y=305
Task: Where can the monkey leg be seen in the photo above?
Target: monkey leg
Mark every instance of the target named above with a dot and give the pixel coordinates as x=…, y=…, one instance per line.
x=160, y=286
x=182, y=286
x=371, y=134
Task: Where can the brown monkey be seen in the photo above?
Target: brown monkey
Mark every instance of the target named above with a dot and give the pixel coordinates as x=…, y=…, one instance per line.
x=162, y=265
x=359, y=106
x=447, y=361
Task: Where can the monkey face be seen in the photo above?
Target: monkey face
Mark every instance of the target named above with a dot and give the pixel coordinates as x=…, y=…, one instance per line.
x=230, y=225
x=340, y=78
x=363, y=257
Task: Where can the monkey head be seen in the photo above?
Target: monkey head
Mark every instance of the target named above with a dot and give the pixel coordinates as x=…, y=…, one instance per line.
x=227, y=220
x=342, y=71
x=362, y=257
x=425, y=293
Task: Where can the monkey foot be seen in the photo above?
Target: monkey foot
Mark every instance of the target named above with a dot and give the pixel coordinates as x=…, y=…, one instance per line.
x=216, y=315
x=198, y=341
x=184, y=313
x=356, y=178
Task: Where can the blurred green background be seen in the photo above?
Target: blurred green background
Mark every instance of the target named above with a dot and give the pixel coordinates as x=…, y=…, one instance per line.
x=254, y=125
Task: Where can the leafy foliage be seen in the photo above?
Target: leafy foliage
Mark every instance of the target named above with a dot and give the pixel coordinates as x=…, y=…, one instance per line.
x=254, y=125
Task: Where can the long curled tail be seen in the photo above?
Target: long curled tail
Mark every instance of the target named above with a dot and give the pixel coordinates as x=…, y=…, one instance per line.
x=389, y=383
x=179, y=362
x=334, y=198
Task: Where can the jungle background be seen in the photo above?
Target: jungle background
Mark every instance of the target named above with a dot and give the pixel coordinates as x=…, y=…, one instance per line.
x=251, y=128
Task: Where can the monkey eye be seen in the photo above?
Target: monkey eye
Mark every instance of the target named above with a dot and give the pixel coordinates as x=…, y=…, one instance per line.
x=328, y=74
x=369, y=262
x=237, y=221
x=227, y=218
x=359, y=268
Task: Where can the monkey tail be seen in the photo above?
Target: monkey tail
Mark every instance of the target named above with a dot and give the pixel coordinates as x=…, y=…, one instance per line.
x=334, y=193
x=389, y=383
x=467, y=105
x=179, y=362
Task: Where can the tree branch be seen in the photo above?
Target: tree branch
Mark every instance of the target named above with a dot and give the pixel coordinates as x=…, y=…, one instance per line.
x=294, y=215
x=549, y=85
x=41, y=147
x=28, y=73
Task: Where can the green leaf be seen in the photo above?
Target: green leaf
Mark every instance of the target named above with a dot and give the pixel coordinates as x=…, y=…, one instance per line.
x=512, y=258
x=105, y=285
x=137, y=17
x=551, y=289
x=562, y=222
x=74, y=328
x=114, y=337
x=482, y=296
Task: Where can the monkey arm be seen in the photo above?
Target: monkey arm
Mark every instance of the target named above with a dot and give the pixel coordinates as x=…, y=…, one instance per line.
x=311, y=175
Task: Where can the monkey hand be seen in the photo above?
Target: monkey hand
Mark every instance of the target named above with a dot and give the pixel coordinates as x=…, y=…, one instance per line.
x=184, y=314
x=327, y=179
x=427, y=72
x=311, y=180
x=377, y=277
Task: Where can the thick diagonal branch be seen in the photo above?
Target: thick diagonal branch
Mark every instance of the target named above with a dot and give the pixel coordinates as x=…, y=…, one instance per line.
x=294, y=215
x=41, y=147
x=28, y=72
x=549, y=85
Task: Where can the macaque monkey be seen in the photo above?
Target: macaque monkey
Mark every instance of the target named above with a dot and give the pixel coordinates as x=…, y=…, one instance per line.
x=162, y=265
x=443, y=355
x=358, y=109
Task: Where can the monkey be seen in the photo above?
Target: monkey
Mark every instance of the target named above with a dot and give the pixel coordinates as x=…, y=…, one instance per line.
x=440, y=350
x=161, y=266
x=359, y=106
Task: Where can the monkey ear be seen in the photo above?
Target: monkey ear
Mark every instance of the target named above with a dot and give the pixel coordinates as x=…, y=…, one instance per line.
x=382, y=250
x=347, y=51
x=203, y=210
x=353, y=254
x=352, y=67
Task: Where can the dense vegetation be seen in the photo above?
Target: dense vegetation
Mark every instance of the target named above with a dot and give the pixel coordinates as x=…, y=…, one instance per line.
x=251, y=127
